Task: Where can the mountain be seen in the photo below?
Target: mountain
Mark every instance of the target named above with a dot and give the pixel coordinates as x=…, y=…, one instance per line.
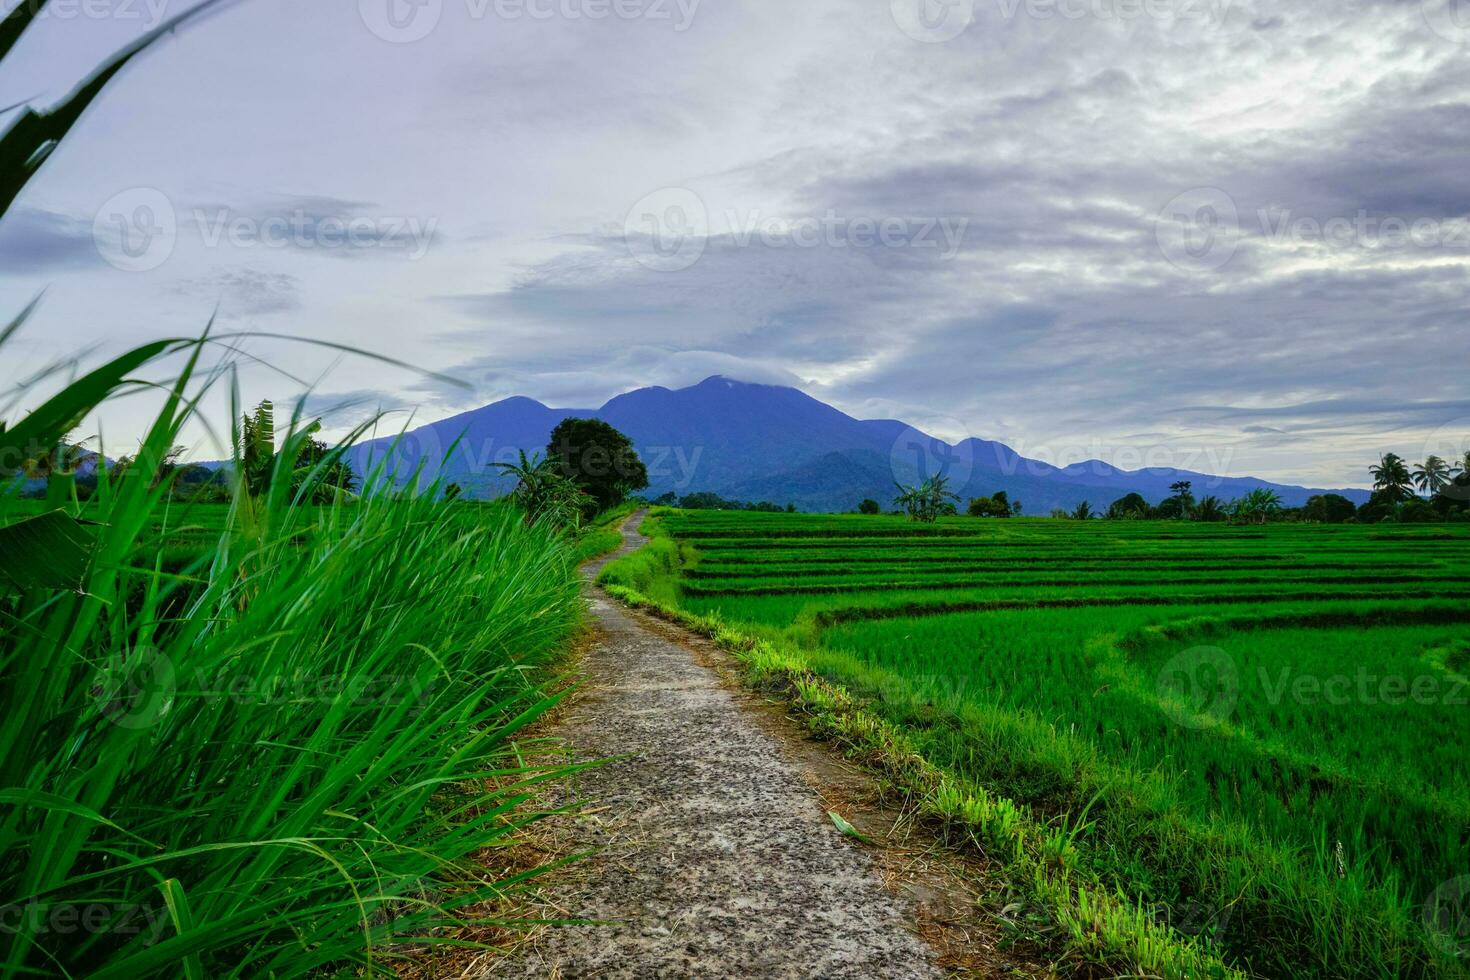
x=767, y=442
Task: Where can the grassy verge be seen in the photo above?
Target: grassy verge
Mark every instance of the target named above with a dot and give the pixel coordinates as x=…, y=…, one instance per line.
x=281, y=756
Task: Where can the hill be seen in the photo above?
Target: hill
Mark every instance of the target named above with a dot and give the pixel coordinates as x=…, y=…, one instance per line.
x=769, y=442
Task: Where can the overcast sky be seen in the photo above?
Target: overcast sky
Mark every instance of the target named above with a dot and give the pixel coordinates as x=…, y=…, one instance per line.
x=1232, y=235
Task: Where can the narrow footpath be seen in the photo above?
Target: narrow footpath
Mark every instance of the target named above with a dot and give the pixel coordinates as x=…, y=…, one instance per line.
x=714, y=856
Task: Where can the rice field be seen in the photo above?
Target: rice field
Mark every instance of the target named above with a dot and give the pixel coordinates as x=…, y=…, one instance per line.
x=1258, y=733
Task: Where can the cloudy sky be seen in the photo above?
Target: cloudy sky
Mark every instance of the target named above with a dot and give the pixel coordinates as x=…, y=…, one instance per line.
x=1228, y=234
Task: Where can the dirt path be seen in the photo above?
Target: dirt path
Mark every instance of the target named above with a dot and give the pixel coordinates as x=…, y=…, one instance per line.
x=716, y=855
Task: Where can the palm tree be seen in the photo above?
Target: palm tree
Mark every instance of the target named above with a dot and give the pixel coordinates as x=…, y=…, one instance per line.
x=1180, y=489
x=1257, y=505
x=1432, y=475
x=1391, y=477
x=1209, y=509
x=927, y=501
x=542, y=492
x=1082, y=512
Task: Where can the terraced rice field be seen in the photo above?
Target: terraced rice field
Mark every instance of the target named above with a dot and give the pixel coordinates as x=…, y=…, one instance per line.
x=1261, y=732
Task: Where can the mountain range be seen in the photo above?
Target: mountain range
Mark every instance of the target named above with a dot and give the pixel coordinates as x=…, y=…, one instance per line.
x=758, y=442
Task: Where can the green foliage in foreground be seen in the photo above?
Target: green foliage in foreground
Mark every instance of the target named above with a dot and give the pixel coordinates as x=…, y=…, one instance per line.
x=1253, y=737
x=274, y=751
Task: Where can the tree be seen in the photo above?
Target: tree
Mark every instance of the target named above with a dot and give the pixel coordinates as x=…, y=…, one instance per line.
x=1257, y=506
x=1432, y=475
x=257, y=448
x=1181, y=493
x=1209, y=509
x=1391, y=478
x=598, y=459
x=980, y=506
x=543, y=493
x=927, y=501
x=1418, y=512
x=1015, y=508
x=1082, y=512
x=869, y=506
x=996, y=505
x=321, y=472
x=1328, y=508
x=1131, y=506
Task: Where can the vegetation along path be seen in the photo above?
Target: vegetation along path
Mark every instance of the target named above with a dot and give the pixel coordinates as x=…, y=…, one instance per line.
x=715, y=857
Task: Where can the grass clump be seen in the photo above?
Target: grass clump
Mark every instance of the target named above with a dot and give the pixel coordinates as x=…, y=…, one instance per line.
x=278, y=756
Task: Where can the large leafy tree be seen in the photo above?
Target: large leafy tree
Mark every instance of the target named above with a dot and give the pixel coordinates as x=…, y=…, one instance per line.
x=1131, y=506
x=598, y=459
x=1328, y=508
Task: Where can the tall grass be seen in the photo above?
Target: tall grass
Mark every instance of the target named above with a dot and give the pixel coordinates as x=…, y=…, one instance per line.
x=281, y=758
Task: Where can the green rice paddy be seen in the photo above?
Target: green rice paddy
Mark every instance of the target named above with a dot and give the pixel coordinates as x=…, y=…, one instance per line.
x=1262, y=731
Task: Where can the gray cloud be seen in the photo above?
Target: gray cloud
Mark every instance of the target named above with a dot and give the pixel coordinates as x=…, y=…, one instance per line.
x=38, y=242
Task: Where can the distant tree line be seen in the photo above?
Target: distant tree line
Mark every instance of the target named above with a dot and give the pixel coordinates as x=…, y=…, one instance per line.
x=1431, y=491
x=712, y=501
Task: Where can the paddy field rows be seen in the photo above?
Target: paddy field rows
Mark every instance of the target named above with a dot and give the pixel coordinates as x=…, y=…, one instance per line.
x=1257, y=734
